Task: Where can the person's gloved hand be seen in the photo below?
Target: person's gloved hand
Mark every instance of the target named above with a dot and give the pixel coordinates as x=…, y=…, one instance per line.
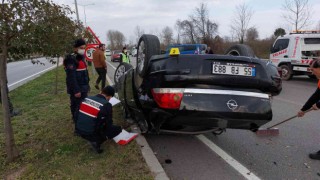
x=300, y=114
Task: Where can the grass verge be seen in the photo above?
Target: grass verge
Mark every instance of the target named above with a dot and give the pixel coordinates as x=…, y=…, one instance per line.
x=48, y=148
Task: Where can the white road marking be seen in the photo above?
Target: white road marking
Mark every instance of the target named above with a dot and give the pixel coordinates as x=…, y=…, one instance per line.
x=231, y=161
x=31, y=76
x=288, y=101
x=111, y=65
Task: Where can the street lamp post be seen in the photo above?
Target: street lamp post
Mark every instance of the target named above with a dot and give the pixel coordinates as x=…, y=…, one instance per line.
x=75, y=3
x=84, y=11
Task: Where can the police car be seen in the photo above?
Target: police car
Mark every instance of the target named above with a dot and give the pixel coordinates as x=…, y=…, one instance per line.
x=294, y=52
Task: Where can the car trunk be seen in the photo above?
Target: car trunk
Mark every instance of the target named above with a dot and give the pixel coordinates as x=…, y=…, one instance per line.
x=226, y=71
x=224, y=99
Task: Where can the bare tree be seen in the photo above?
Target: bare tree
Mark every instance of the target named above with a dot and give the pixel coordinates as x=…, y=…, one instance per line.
x=198, y=28
x=187, y=30
x=240, y=23
x=204, y=27
x=167, y=36
x=116, y=38
x=298, y=13
x=138, y=33
x=252, y=34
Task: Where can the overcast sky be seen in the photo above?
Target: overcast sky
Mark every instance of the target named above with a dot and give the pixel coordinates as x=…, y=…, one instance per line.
x=153, y=15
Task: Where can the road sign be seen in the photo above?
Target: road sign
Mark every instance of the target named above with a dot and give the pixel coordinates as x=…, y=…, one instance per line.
x=89, y=53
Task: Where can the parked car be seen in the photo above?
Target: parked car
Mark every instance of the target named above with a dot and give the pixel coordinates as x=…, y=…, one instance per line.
x=108, y=52
x=188, y=48
x=116, y=55
x=196, y=93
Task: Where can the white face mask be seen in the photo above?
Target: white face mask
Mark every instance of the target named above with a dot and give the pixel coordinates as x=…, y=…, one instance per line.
x=81, y=51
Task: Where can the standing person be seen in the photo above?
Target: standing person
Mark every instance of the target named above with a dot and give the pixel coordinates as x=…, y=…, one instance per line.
x=99, y=61
x=209, y=50
x=77, y=77
x=314, y=100
x=95, y=122
x=124, y=57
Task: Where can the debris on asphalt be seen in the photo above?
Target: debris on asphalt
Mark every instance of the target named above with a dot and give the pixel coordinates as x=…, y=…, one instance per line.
x=318, y=174
x=275, y=163
x=306, y=165
x=168, y=161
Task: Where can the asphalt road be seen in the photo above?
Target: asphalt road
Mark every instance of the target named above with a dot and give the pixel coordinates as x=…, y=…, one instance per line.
x=236, y=154
x=241, y=154
x=21, y=72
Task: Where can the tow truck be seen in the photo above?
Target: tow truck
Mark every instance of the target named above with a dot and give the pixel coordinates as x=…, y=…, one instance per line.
x=293, y=53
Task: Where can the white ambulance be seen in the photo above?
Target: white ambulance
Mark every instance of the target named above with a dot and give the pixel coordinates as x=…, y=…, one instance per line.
x=294, y=52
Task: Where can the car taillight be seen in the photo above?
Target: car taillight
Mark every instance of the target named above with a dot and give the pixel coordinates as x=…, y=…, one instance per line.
x=168, y=98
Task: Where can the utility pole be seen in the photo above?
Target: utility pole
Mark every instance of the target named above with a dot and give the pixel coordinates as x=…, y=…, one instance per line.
x=75, y=2
x=84, y=11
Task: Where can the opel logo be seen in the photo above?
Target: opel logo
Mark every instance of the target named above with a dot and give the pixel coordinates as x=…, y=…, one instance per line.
x=232, y=104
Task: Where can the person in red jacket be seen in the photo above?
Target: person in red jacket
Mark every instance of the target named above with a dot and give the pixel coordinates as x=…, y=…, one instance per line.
x=94, y=121
x=314, y=100
x=77, y=77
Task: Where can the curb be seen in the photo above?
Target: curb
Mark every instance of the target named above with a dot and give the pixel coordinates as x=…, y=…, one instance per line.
x=147, y=153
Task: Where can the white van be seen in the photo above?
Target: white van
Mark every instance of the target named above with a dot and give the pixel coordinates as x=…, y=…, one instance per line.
x=294, y=52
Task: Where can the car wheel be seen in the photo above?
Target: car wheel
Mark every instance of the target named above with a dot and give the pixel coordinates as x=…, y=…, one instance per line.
x=120, y=71
x=286, y=72
x=148, y=46
x=240, y=50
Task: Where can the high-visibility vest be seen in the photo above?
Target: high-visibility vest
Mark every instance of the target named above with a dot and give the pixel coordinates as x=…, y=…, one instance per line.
x=125, y=58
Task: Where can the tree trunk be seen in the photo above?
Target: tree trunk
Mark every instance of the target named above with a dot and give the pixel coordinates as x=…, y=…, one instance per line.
x=10, y=147
x=57, y=70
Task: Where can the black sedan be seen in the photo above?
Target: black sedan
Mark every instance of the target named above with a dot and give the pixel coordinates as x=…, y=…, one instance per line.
x=197, y=93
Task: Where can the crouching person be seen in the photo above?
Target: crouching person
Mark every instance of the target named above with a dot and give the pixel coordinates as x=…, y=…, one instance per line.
x=95, y=119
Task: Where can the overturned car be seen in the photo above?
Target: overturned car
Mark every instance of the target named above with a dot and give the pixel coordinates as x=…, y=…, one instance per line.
x=195, y=93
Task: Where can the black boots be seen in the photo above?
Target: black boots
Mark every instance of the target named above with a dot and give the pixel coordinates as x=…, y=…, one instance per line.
x=315, y=155
x=96, y=147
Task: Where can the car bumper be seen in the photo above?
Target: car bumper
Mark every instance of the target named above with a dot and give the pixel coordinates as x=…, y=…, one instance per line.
x=217, y=108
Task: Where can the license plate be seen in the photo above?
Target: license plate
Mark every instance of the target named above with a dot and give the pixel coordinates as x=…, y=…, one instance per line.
x=233, y=70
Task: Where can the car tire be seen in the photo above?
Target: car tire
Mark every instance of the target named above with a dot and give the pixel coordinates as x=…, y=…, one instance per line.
x=240, y=50
x=121, y=70
x=286, y=72
x=148, y=46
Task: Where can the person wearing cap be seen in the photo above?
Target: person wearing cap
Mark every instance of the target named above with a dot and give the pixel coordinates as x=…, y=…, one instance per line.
x=314, y=101
x=124, y=57
x=77, y=77
x=95, y=122
x=99, y=62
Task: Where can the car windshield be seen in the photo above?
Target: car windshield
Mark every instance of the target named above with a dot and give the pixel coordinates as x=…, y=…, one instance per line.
x=116, y=52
